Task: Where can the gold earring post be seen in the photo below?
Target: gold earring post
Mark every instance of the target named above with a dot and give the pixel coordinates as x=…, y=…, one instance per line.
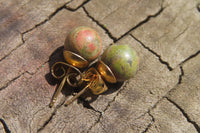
x=53, y=100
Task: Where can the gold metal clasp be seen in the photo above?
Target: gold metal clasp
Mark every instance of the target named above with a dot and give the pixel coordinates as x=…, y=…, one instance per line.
x=94, y=82
x=66, y=71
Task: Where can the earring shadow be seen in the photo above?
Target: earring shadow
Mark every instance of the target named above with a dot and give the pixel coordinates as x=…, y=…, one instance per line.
x=57, y=56
x=54, y=57
x=113, y=87
x=88, y=97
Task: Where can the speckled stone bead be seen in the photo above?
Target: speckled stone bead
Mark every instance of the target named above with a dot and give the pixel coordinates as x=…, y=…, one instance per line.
x=85, y=42
x=122, y=60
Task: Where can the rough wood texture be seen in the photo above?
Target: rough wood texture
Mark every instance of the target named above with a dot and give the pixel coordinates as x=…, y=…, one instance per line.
x=125, y=13
x=162, y=97
x=189, y=91
x=170, y=119
x=19, y=16
x=75, y=4
x=174, y=34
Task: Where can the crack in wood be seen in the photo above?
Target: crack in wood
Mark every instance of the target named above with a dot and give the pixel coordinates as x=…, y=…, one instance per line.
x=181, y=75
x=22, y=39
x=23, y=42
x=101, y=25
x=185, y=115
x=190, y=57
x=5, y=126
x=47, y=19
x=75, y=9
x=96, y=122
x=8, y=54
x=138, y=25
x=147, y=112
x=46, y=122
x=107, y=107
x=114, y=98
x=31, y=121
x=51, y=117
x=142, y=22
x=155, y=105
x=178, y=83
x=180, y=33
x=37, y=25
x=154, y=53
x=11, y=81
x=17, y=77
x=85, y=104
x=150, y=124
x=38, y=68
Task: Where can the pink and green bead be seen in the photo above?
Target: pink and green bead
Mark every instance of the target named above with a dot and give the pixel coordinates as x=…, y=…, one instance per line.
x=85, y=42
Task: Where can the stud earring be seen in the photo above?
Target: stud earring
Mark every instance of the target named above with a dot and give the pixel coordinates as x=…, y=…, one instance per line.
x=82, y=46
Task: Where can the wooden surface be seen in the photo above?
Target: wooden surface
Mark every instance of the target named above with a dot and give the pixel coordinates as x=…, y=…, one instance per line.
x=162, y=97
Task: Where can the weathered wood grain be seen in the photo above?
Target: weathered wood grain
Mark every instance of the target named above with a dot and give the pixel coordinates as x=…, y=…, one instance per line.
x=169, y=119
x=19, y=16
x=162, y=97
x=23, y=99
x=174, y=34
x=122, y=15
x=75, y=4
x=187, y=94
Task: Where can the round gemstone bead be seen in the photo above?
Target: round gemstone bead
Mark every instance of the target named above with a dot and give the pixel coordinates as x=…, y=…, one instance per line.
x=85, y=42
x=122, y=60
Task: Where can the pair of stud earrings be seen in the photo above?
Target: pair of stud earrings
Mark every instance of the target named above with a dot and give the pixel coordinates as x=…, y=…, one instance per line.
x=82, y=46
